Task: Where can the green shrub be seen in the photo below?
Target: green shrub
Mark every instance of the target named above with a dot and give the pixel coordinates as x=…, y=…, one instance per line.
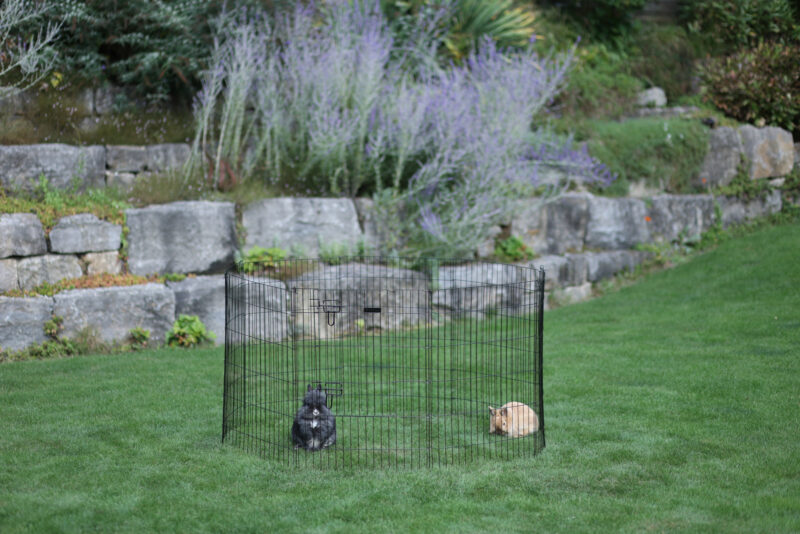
x=730, y=24
x=333, y=253
x=604, y=19
x=189, y=331
x=762, y=83
x=139, y=338
x=664, y=153
x=260, y=258
x=512, y=249
x=156, y=49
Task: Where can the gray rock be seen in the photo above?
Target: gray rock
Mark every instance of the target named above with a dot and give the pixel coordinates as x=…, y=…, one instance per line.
x=577, y=270
x=14, y=100
x=8, y=275
x=567, y=220
x=111, y=312
x=259, y=310
x=603, y=265
x=181, y=237
x=51, y=268
x=102, y=262
x=365, y=209
x=555, y=270
x=736, y=211
x=486, y=248
x=22, y=321
x=797, y=154
x=680, y=216
x=21, y=165
x=167, y=156
x=530, y=224
x=121, y=180
x=770, y=151
x=204, y=296
x=722, y=160
x=84, y=233
x=616, y=223
x=568, y=295
x=126, y=158
x=104, y=99
x=653, y=97
x=478, y=287
x=401, y=295
x=304, y=223
x=21, y=234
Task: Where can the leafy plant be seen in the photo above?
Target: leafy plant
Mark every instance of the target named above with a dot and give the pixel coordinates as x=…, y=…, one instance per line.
x=759, y=84
x=258, y=258
x=512, y=249
x=54, y=326
x=139, y=338
x=731, y=24
x=189, y=331
x=333, y=253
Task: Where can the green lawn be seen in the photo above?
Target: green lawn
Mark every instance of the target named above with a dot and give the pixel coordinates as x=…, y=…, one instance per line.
x=671, y=405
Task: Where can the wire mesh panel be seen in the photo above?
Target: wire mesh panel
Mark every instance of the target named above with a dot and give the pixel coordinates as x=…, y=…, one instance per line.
x=408, y=356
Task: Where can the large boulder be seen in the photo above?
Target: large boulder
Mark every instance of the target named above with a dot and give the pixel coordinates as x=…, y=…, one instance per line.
x=555, y=270
x=653, y=97
x=530, y=224
x=84, y=233
x=367, y=220
x=258, y=308
x=605, y=264
x=181, y=237
x=167, y=156
x=616, y=223
x=21, y=165
x=769, y=151
x=21, y=234
x=203, y=296
x=302, y=224
x=126, y=158
x=736, y=211
x=680, y=217
x=476, y=288
x=50, y=268
x=356, y=297
x=8, y=275
x=555, y=228
x=22, y=321
x=112, y=312
x=722, y=159
x=102, y=262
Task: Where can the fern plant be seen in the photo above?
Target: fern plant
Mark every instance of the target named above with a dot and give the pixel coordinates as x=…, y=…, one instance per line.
x=189, y=331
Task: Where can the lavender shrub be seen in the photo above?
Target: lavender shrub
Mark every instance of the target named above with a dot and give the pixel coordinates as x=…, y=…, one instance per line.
x=333, y=108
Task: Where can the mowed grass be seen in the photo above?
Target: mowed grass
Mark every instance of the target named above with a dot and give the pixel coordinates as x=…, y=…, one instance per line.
x=671, y=405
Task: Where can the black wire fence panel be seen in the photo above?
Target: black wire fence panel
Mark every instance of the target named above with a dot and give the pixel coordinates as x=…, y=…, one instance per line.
x=410, y=354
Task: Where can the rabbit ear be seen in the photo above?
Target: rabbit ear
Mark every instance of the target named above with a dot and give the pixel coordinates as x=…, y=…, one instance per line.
x=309, y=387
x=491, y=410
x=319, y=387
x=503, y=411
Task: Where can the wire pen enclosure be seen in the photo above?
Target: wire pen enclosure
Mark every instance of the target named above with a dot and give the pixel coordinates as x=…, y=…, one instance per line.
x=408, y=357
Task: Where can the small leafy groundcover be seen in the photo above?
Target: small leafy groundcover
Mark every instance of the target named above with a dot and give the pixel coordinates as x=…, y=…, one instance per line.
x=189, y=331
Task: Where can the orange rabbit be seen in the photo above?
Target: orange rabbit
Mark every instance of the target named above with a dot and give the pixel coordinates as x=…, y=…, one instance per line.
x=513, y=419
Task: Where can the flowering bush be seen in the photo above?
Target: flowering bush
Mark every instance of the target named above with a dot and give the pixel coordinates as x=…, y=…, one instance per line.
x=332, y=108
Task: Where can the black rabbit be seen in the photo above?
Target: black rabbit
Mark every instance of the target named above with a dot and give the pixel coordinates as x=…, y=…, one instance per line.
x=314, y=426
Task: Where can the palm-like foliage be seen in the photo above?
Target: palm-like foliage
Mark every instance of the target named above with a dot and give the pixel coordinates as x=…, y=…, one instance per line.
x=507, y=24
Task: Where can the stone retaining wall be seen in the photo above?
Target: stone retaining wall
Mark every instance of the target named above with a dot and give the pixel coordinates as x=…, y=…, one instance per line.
x=581, y=238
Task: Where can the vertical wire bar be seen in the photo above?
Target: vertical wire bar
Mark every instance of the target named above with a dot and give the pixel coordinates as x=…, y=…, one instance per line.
x=540, y=342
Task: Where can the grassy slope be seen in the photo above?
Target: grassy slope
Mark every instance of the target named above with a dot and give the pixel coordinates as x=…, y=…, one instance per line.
x=671, y=405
